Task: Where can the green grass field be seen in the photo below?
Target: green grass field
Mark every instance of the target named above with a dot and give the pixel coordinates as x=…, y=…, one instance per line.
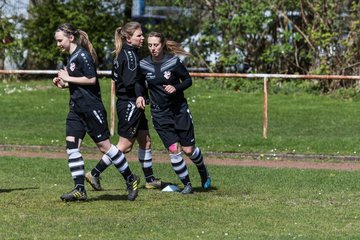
x=34, y=112
x=244, y=203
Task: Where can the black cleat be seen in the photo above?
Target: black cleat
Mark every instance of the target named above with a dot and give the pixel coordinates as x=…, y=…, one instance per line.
x=132, y=187
x=93, y=181
x=187, y=189
x=156, y=184
x=74, y=195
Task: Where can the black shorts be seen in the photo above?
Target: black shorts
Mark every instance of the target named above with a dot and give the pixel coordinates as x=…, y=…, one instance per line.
x=130, y=119
x=94, y=123
x=174, y=125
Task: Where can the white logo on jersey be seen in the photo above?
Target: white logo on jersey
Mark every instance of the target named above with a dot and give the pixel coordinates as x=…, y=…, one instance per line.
x=150, y=76
x=72, y=66
x=167, y=74
x=97, y=116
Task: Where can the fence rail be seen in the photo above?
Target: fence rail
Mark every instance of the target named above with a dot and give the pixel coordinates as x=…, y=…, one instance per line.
x=264, y=76
x=200, y=74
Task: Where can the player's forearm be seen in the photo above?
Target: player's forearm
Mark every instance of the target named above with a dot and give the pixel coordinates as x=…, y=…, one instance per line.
x=81, y=80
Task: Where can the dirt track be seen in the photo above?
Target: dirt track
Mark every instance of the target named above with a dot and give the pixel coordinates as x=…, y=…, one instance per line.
x=349, y=163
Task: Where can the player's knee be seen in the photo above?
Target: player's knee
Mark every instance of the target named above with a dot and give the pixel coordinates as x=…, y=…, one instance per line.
x=173, y=148
x=189, y=151
x=124, y=149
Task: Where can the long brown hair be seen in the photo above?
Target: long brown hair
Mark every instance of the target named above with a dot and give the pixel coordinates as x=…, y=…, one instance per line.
x=81, y=38
x=121, y=33
x=169, y=45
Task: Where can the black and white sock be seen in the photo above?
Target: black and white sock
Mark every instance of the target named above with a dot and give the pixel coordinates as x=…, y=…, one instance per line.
x=76, y=166
x=145, y=160
x=119, y=160
x=101, y=165
x=197, y=158
x=180, y=168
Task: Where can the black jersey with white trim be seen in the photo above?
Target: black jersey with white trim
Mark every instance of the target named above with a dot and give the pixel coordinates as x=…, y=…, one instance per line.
x=125, y=72
x=170, y=71
x=83, y=98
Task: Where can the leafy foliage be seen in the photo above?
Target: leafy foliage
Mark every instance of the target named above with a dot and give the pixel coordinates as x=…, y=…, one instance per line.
x=98, y=18
x=9, y=43
x=281, y=36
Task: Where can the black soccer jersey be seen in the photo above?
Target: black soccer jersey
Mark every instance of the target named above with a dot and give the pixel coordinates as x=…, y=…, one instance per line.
x=170, y=71
x=83, y=98
x=125, y=72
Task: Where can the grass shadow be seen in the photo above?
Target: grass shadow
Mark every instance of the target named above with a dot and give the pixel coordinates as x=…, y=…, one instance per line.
x=109, y=197
x=200, y=189
x=16, y=189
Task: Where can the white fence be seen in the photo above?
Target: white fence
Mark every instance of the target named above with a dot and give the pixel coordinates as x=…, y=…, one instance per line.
x=265, y=77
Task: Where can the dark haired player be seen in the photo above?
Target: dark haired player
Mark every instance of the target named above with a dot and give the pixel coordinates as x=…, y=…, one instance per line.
x=167, y=79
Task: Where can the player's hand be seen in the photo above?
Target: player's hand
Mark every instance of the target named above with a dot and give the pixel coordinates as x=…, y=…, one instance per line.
x=63, y=74
x=140, y=103
x=58, y=82
x=169, y=89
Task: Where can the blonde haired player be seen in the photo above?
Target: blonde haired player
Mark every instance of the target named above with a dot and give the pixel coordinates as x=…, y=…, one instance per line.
x=86, y=111
x=132, y=122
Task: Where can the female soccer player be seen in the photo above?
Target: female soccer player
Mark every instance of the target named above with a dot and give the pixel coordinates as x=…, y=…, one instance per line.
x=87, y=113
x=167, y=79
x=132, y=122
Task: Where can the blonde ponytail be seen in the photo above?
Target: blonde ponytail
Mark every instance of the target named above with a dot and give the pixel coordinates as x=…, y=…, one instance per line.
x=118, y=41
x=85, y=43
x=121, y=33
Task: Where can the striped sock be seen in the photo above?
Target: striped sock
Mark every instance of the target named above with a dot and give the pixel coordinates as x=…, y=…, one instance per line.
x=101, y=166
x=145, y=160
x=119, y=161
x=76, y=166
x=180, y=168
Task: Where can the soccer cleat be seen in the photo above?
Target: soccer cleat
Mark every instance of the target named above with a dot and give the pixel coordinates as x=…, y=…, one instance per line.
x=156, y=184
x=206, y=184
x=187, y=189
x=132, y=188
x=74, y=195
x=205, y=179
x=93, y=181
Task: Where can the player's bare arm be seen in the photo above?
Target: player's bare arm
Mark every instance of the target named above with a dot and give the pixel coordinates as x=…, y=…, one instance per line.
x=64, y=75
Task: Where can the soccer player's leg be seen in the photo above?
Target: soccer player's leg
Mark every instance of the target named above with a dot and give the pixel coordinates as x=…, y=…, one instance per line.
x=76, y=166
x=98, y=130
x=187, y=140
x=75, y=132
x=195, y=155
x=145, y=160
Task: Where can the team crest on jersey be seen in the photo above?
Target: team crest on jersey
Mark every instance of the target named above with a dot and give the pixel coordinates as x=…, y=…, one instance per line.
x=167, y=74
x=72, y=66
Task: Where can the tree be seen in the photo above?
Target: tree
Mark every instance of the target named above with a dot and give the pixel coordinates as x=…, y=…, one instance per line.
x=283, y=36
x=10, y=45
x=98, y=18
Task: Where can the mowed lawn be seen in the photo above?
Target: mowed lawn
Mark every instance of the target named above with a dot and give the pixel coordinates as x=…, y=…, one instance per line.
x=34, y=112
x=244, y=203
